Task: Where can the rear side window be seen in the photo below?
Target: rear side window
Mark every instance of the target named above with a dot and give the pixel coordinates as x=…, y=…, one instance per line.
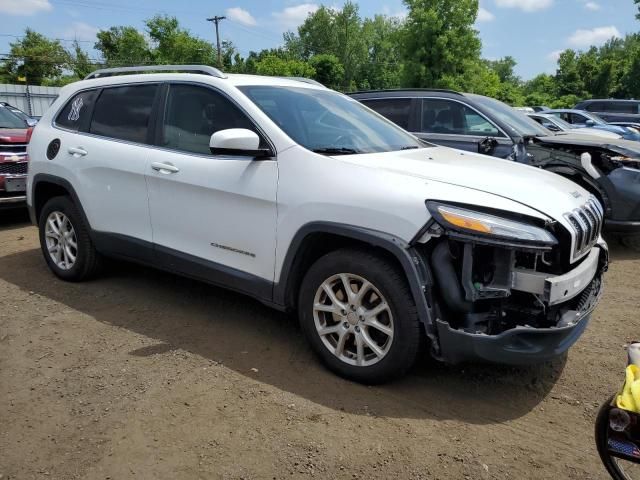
x=124, y=112
x=395, y=109
x=76, y=113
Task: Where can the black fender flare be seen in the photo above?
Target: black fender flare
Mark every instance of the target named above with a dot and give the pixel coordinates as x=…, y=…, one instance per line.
x=414, y=265
x=61, y=182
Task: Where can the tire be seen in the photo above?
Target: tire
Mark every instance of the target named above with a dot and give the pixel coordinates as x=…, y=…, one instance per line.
x=614, y=466
x=384, y=317
x=632, y=242
x=68, y=262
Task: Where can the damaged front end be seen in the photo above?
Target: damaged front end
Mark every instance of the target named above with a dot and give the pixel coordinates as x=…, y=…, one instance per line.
x=509, y=291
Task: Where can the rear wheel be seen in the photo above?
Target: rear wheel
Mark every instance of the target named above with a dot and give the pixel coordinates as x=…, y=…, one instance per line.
x=65, y=241
x=357, y=312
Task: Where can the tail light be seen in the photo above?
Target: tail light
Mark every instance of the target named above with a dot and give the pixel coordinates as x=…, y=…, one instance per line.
x=29, y=133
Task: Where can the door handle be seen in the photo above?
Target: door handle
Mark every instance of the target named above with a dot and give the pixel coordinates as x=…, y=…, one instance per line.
x=165, y=168
x=77, y=151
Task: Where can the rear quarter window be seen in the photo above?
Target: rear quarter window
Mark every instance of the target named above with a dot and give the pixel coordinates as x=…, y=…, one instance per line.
x=76, y=113
x=124, y=112
x=395, y=109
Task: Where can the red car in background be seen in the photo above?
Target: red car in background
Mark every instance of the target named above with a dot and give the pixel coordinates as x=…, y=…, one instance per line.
x=14, y=137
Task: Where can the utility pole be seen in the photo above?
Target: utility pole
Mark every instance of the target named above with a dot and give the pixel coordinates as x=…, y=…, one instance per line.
x=217, y=20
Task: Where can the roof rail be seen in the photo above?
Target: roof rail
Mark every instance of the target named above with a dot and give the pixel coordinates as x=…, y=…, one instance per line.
x=203, y=69
x=305, y=80
x=400, y=90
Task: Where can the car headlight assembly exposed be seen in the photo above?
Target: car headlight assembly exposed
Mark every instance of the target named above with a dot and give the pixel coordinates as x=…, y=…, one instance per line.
x=484, y=224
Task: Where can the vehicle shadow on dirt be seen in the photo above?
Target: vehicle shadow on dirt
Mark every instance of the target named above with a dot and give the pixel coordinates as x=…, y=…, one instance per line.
x=12, y=219
x=243, y=335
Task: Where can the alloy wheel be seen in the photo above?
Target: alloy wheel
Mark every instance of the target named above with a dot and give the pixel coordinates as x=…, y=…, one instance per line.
x=353, y=319
x=61, y=240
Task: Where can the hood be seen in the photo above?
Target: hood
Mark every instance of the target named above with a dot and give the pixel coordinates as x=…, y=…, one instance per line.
x=594, y=132
x=14, y=135
x=591, y=141
x=546, y=192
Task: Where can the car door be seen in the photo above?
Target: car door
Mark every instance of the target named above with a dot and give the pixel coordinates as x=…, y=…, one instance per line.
x=104, y=146
x=213, y=216
x=457, y=125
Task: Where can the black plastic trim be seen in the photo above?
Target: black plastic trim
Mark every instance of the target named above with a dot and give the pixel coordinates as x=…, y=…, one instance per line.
x=413, y=264
x=61, y=182
x=164, y=258
x=622, y=227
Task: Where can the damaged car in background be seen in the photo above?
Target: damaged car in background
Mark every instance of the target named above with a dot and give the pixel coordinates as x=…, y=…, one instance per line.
x=608, y=168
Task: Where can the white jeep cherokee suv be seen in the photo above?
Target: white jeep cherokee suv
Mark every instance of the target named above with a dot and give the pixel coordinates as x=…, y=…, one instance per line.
x=307, y=200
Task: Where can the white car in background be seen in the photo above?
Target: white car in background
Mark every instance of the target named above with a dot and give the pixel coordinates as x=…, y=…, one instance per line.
x=555, y=124
x=308, y=201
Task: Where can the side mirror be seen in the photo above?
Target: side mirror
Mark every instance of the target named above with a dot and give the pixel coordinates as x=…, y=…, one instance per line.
x=590, y=123
x=31, y=122
x=237, y=142
x=552, y=127
x=487, y=146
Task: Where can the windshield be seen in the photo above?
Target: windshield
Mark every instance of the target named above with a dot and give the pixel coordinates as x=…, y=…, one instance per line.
x=327, y=122
x=594, y=117
x=559, y=122
x=10, y=120
x=518, y=122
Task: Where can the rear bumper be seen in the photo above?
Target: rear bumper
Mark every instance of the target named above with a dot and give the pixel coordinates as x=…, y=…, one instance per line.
x=17, y=201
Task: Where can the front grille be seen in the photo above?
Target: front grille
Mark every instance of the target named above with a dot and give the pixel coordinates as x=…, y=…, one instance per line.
x=13, y=168
x=13, y=148
x=587, y=224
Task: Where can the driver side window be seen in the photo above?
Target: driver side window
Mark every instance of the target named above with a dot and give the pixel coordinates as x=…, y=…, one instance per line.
x=194, y=113
x=449, y=117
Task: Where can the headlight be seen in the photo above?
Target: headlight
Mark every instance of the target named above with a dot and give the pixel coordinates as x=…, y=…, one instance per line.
x=470, y=221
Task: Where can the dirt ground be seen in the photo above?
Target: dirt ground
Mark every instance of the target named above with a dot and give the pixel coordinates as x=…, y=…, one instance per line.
x=142, y=374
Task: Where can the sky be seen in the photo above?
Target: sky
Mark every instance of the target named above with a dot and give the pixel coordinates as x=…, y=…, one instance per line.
x=531, y=31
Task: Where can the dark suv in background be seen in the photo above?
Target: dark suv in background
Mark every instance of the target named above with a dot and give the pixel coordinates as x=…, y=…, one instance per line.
x=613, y=111
x=608, y=168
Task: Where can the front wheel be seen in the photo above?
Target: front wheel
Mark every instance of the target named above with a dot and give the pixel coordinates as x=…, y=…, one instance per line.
x=356, y=310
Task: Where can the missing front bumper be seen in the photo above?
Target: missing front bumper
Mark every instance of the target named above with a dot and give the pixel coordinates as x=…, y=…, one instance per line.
x=522, y=345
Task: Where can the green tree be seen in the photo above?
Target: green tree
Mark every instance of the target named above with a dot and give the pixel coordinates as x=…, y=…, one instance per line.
x=123, y=46
x=79, y=61
x=329, y=70
x=439, y=41
x=175, y=45
x=568, y=79
x=275, y=66
x=383, y=65
x=35, y=58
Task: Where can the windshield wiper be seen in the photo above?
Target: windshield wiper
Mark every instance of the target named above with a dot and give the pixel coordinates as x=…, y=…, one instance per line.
x=336, y=151
x=410, y=147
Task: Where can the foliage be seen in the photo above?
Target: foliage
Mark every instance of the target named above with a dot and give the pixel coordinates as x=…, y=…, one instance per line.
x=276, y=66
x=35, y=58
x=328, y=70
x=123, y=46
x=439, y=42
